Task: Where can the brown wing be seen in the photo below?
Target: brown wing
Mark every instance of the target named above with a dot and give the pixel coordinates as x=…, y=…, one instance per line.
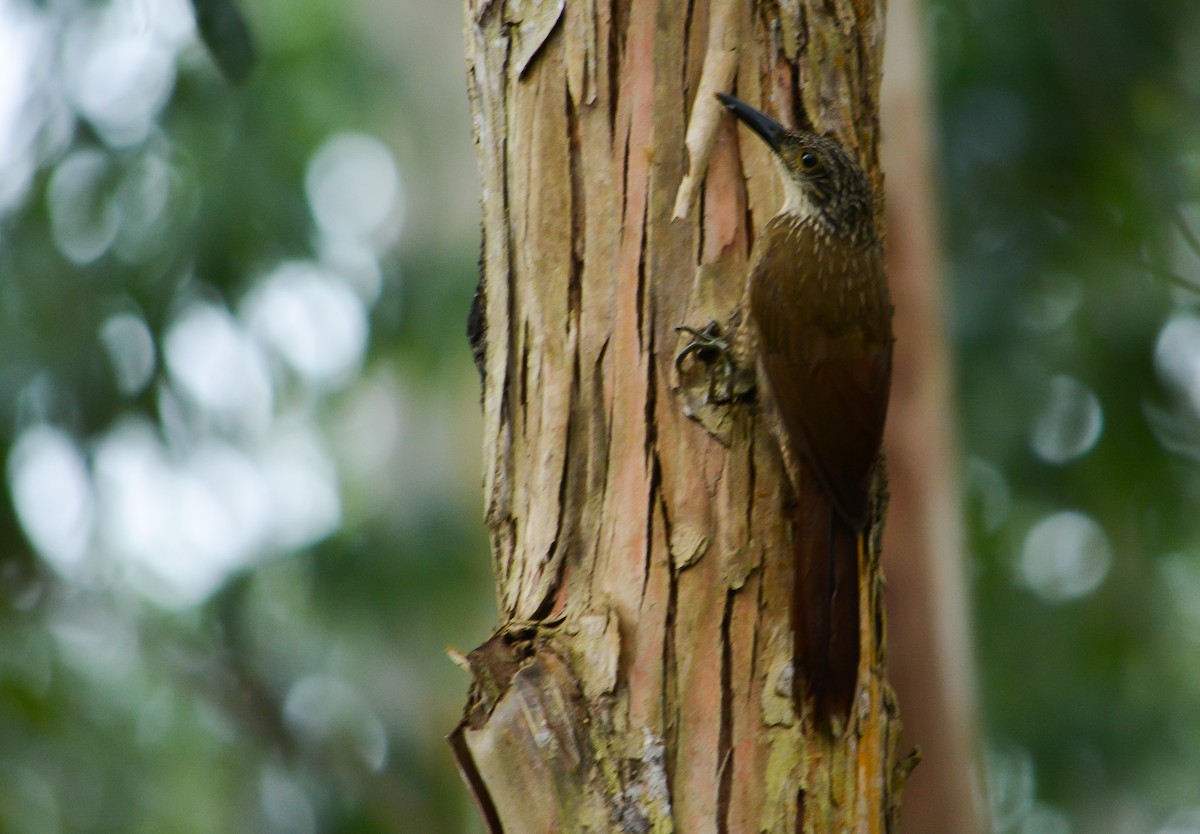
x=825, y=342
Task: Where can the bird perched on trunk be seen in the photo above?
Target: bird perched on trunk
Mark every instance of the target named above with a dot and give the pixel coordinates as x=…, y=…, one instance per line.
x=820, y=310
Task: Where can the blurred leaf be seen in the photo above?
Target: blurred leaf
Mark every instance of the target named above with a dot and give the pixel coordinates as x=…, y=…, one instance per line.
x=226, y=33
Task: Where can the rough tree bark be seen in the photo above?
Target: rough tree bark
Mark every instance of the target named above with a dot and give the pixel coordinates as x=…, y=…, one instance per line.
x=641, y=677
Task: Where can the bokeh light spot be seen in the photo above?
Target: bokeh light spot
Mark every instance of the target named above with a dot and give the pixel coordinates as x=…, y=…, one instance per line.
x=130, y=347
x=52, y=494
x=119, y=64
x=219, y=366
x=142, y=202
x=1185, y=257
x=24, y=38
x=83, y=219
x=1051, y=307
x=181, y=524
x=1070, y=421
x=1066, y=555
x=303, y=487
x=1181, y=580
x=1011, y=784
x=368, y=429
x=354, y=189
x=330, y=712
x=355, y=262
x=284, y=803
x=990, y=493
x=1177, y=357
x=226, y=514
x=311, y=318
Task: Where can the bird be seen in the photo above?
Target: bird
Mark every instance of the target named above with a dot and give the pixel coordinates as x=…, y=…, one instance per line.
x=820, y=315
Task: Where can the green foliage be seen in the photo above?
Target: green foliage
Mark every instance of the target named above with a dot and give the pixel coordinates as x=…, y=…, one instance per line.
x=254, y=640
x=1066, y=168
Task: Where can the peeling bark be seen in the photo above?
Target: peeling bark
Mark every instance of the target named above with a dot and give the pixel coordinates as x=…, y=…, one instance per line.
x=641, y=680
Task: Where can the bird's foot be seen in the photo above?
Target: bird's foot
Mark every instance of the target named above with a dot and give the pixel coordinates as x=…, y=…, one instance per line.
x=708, y=346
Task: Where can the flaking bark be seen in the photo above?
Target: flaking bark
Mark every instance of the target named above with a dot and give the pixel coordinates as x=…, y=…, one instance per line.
x=641, y=677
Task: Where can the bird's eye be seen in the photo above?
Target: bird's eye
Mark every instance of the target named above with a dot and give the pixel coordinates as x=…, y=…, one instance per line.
x=809, y=160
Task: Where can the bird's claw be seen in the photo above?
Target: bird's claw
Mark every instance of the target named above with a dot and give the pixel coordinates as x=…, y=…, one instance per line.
x=708, y=345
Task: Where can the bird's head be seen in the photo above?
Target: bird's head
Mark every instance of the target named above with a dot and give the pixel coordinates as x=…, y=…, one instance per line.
x=821, y=180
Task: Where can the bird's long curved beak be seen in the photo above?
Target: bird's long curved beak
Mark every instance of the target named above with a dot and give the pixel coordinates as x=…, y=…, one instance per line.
x=771, y=131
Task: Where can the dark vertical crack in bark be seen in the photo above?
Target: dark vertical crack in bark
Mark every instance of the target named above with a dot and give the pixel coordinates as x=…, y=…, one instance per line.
x=800, y=115
x=642, y=326
x=578, y=219
x=523, y=375
x=689, y=95
x=601, y=424
x=510, y=249
x=625, y=180
x=751, y=232
x=651, y=406
x=670, y=676
x=662, y=506
x=475, y=782
x=616, y=49
x=477, y=319
x=725, y=736
x=654, y=498
x=751, y=467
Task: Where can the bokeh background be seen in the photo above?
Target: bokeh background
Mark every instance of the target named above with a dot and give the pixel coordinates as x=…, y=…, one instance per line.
x=239, y=419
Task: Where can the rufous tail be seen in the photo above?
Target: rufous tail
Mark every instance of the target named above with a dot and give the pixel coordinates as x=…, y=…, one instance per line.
x=825, y=611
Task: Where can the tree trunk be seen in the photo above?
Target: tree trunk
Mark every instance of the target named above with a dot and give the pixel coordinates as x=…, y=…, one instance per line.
x=641, y=677
x=929, y=657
